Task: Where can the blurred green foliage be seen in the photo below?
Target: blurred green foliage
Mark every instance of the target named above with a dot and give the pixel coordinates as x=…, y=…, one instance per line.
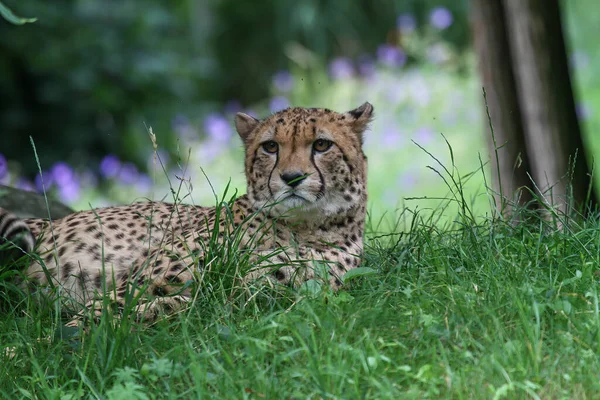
x=254, y=39
x=85, y=78
x=8, y=15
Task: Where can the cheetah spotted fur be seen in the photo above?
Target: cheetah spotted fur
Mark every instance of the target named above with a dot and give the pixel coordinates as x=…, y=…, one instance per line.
x=306, y=198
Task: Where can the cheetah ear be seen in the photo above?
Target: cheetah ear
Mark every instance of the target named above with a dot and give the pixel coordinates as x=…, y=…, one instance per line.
x=360, y=118
x=244, y=124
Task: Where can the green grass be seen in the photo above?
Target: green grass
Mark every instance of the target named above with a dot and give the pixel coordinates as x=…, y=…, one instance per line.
x=467, y=310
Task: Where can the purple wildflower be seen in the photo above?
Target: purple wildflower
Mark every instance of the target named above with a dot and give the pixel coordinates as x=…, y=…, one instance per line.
x=407, y=180
x=366, y=66
x=423, y=135
x=128, y=173
x=391, y=56
x=179, y=121
x=441, y=18
x=283, y=81
x=207, y=151
x=406, y=23
x=24, y=184
x=143, y=184
x=420, y=91
x=217, y=127
x=232, y=106
x=184, y=129
x=278, y=103
x=395, y=91
x=3, y=166
x=5, y=180
x=62, y=173
x=110, y=166
x=251, y=113
x=391, y=137
x=341, y=68
x=44, y=181
x=69, y=192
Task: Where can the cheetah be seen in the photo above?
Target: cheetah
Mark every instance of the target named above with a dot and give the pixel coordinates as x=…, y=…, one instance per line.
x=305, y=206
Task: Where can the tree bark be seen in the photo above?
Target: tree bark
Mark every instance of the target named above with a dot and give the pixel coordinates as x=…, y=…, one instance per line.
x=552, y=132
x=510, y=162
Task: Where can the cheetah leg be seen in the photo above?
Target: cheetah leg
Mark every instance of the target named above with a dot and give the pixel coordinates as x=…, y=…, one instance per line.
x=160, y=283
x=146, y=310
x=293, y=267
x=149, y=311
x=164, y=281
x=93, y=308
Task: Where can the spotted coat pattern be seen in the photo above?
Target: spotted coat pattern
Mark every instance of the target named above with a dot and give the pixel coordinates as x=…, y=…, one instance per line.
x=306, y=197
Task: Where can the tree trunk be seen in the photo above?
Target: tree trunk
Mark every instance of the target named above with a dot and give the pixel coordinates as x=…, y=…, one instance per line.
x=511, y=164
x=552, y=133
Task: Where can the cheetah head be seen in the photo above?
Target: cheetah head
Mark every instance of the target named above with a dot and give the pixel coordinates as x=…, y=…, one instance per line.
x=307, y=162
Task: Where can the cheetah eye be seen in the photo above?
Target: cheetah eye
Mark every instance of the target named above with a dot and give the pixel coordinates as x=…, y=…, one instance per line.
x=270, y=146
x=322, y=145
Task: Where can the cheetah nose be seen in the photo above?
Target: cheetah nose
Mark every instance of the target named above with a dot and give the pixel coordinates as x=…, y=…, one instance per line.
x=293, y=179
